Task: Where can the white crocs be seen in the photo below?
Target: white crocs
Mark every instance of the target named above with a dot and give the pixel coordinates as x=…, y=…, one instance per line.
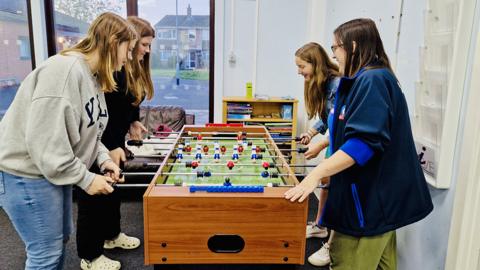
x=122, y=241
x=100, y=263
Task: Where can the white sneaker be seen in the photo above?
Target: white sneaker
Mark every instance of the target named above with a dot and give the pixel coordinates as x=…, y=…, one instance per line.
x=122, y=241
x=100, y=263
x=314, y=231
x=321, y=257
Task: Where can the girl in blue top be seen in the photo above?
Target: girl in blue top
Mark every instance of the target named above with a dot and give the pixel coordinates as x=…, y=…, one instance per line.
x=377, y=184
x=321, y=82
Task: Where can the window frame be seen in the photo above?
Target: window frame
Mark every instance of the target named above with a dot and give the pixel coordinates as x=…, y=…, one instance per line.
x=132, y=10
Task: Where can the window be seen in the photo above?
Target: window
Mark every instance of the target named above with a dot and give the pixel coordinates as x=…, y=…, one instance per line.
x=15, y=51
x=73, y=17
x=180, y=71
x=205, y=35
x=192, y=34
x=180, y=77
x=167, y=34
x=24, y=46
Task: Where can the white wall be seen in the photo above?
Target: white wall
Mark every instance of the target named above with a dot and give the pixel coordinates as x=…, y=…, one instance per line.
x=422, y=245
x=264, y=55
x=429, y=237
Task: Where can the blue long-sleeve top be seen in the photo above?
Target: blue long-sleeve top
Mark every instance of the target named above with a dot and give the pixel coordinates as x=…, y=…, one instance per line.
x=385, y=189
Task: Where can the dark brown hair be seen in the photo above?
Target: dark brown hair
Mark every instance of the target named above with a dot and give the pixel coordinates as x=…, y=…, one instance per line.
x=323, y=69
x=139, y=80
x=368, y=51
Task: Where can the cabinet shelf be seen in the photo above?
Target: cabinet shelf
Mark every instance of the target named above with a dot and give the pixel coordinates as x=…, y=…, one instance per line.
x=265, y=120
x=269, y=107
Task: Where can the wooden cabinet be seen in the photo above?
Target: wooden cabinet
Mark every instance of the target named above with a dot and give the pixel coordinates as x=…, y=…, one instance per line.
x=278, y=115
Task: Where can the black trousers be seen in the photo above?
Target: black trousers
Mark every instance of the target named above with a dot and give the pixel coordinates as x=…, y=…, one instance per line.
x=98, y=220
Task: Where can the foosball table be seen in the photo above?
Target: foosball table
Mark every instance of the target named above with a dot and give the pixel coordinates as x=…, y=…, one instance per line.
x=218, y=198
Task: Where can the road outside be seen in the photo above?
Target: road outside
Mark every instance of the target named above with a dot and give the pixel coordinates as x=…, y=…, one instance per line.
x=192, y=95
x=6, y=97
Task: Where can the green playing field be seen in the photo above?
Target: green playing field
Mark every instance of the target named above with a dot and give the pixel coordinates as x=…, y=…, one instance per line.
x=213, y=168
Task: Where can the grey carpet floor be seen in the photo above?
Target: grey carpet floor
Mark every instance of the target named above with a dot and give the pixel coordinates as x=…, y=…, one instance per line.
x=12, y=250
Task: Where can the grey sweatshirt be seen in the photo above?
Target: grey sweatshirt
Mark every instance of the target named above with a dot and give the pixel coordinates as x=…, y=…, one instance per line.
x=54, y=125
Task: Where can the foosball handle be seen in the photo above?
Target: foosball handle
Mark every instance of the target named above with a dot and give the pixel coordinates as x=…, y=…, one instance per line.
x=135, y=142
x=302, y=150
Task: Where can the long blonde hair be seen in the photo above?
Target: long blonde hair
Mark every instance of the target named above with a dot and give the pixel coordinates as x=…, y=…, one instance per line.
x=315, y=89
x=139, y=80
x=104, y=35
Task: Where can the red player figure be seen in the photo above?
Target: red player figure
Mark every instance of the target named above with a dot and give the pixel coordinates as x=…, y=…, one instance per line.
x=205, y=149
x=188, y=149
x=265, y=165
x=199, y=136
x=194, y=164
x=230, y=164
x=258, y=149
x=240, y=149
x=223, y=149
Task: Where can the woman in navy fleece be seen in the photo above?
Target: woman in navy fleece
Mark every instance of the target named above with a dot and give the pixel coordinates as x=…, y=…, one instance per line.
x=377, y=184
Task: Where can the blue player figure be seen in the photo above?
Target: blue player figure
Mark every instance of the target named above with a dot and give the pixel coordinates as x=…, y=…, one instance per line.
x=198, y=155
x=254, y=154
x=180, y=151
x=216, y=155
x=245, y=143
x=235, y=153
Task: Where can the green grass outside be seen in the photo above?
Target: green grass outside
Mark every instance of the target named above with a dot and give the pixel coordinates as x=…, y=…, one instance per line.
x=200, y=74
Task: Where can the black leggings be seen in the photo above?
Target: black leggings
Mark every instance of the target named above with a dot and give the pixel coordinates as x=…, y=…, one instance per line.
x=98, y=220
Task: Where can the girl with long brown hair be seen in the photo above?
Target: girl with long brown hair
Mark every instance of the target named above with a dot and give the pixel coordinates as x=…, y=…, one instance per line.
x=321, y=81
x=98, y=225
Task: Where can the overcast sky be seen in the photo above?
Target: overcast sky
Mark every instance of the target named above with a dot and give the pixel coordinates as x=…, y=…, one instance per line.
x=155, y=10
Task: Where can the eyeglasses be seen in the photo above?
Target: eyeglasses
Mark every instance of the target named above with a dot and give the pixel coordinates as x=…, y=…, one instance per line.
x=335, y=47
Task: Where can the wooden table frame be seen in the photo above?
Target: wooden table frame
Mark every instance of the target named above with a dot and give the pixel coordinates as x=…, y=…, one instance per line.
x=178, y=224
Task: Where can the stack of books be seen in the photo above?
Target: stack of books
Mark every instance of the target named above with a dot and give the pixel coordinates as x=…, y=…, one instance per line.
x=239, y=110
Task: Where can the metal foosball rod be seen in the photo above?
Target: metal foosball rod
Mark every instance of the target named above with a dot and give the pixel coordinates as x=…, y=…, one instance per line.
x=148, y=156
x=142, y=142
x=264, y=174
x=200, y=138
x=249, y=143
x=139, y=173
x=259, y=156
x=188, y=164
x=219, y=138
x=298, y=150
x=261, y=150
x=239, y=133
x=297, y=139
x=226, y=152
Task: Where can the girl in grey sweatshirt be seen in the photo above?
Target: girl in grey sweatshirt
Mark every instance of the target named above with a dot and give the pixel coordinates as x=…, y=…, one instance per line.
x=50, y=136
